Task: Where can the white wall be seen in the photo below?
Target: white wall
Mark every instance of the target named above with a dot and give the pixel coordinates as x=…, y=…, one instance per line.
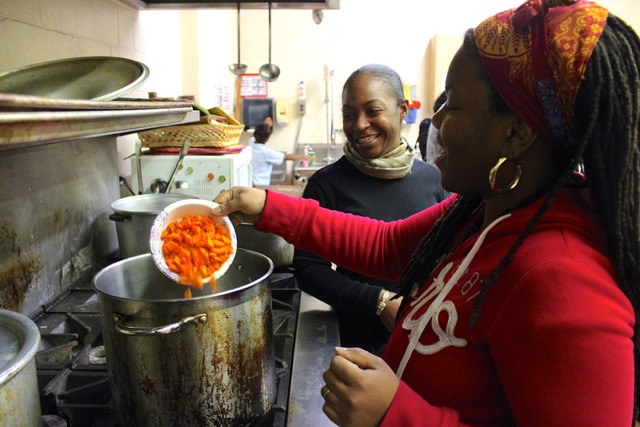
x=362, y=31
x=188, y=52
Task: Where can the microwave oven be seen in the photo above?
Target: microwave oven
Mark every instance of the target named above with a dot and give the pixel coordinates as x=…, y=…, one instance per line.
x=203, y=176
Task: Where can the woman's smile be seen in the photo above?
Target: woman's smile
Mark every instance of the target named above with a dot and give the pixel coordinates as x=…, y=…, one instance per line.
x=367, y=140
x=441, y=153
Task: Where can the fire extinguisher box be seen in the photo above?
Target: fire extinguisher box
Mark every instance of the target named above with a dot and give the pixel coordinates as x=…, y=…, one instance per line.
x=411, y=115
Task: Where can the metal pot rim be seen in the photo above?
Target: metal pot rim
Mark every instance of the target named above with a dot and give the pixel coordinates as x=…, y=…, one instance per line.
x=146, y=204
x=194, y=298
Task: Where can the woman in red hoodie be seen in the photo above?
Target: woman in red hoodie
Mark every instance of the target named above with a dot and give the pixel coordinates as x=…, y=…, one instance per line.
x=521, y=291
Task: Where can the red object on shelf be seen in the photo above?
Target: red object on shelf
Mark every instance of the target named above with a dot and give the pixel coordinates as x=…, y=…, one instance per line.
x=198, y=150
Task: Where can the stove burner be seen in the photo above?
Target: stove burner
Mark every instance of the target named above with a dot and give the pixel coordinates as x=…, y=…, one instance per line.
x=72, y=366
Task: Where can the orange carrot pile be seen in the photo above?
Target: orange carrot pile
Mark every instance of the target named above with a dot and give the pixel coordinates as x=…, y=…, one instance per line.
x=194, y=247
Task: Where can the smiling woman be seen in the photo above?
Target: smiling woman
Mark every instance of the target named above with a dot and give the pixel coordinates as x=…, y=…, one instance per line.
x=378, y=177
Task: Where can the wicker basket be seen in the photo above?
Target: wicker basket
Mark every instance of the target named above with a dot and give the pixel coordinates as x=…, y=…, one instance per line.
x=208, y=133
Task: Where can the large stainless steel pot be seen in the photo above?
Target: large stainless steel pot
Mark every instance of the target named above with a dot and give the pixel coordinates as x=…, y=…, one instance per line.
x=19, y=397
x=134, y=216
x=269, y=244
x=203, y=361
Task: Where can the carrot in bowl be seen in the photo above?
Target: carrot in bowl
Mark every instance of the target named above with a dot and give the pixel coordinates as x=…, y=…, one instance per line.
x=194, y=247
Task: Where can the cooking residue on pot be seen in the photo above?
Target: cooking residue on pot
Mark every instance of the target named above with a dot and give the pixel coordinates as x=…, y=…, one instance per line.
x=194, y=248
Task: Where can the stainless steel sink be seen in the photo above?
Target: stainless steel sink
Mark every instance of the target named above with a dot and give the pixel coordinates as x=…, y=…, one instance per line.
x=309, y=170
x=322, y=153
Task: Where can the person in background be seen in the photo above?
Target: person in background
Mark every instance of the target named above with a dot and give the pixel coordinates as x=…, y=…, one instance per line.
x=425, y=141
x=377, y=178
x=267, y=121
x=521, y=291
x=263, y=158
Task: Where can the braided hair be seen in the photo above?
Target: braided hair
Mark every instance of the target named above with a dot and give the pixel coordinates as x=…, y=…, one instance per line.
x=609, y=103
x=607, y=127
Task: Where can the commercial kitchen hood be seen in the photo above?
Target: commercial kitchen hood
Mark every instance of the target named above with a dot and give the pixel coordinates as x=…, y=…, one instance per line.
x=225, y=4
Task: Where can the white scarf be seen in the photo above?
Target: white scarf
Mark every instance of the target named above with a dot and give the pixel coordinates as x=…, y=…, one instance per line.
x=393, y=165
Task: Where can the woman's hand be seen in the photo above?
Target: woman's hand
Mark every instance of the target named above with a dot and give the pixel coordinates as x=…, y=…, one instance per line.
x=241, y=204
x=359, y=388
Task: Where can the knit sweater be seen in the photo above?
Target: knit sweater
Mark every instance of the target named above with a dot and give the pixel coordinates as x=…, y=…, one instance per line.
x=341, y=186
x=553, y=343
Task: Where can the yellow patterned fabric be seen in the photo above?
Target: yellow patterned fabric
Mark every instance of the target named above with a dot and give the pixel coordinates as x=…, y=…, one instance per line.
x=536, y=57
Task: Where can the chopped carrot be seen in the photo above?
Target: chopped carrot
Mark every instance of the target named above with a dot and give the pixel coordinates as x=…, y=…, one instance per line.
x=195, y=247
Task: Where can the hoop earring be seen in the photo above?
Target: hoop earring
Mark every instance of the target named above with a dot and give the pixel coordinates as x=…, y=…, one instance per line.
x=494, y=172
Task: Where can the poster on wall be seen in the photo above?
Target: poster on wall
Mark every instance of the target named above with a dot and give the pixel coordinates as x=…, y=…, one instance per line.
x=222, y=96
x=253, y=86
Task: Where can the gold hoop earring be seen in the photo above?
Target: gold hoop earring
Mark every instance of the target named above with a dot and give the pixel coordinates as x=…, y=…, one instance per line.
x=494, y=172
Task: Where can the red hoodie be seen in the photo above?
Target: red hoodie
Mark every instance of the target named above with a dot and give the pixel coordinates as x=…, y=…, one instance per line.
x=553, y=343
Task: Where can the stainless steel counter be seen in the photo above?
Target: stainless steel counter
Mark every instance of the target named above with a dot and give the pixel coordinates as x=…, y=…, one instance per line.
x=316, y=338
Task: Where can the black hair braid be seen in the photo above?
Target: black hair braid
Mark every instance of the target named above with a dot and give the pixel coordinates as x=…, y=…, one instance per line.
x=434, y=245
x=504, y=262
x=612, y=163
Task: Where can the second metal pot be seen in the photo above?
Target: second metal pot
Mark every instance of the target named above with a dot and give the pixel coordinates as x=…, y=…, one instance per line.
x=203, y=361
x=271, y=245
x=134, y=217
x=19, y=342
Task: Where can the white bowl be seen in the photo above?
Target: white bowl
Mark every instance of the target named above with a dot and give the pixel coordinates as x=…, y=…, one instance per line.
x=176, y=211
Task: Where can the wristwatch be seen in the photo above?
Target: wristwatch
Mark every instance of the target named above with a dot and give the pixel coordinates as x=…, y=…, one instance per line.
x=382, y=303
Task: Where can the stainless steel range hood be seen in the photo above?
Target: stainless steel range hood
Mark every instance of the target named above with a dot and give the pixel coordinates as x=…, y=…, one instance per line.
x=225, y=4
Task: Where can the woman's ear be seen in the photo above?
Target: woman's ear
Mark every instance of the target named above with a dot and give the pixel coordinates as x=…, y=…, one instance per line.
x=519, y=136
x=404, y=108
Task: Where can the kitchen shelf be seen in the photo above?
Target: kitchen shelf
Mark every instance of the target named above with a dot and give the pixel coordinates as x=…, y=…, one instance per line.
x=27, y=129
x=27, y=121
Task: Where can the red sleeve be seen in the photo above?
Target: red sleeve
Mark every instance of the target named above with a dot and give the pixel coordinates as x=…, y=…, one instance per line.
x=361, y=244
x=409, y=409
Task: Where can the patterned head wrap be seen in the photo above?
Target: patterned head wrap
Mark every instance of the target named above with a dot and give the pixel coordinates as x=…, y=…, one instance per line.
x=536, y=57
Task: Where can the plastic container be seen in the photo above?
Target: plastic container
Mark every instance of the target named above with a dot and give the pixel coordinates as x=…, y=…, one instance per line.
x=305, y=151
x=312, y=154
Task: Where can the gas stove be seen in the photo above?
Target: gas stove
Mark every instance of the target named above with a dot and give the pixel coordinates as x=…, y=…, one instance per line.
x=72, y=367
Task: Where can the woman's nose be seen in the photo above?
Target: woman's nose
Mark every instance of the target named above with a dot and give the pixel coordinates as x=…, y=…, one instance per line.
x=362, y=121
x=436, y=120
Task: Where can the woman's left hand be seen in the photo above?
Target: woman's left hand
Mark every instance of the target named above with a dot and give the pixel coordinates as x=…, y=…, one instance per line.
x=359, y=388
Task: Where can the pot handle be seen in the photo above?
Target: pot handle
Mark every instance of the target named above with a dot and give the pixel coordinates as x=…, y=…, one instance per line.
x=119, y=217
x=198, y=319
